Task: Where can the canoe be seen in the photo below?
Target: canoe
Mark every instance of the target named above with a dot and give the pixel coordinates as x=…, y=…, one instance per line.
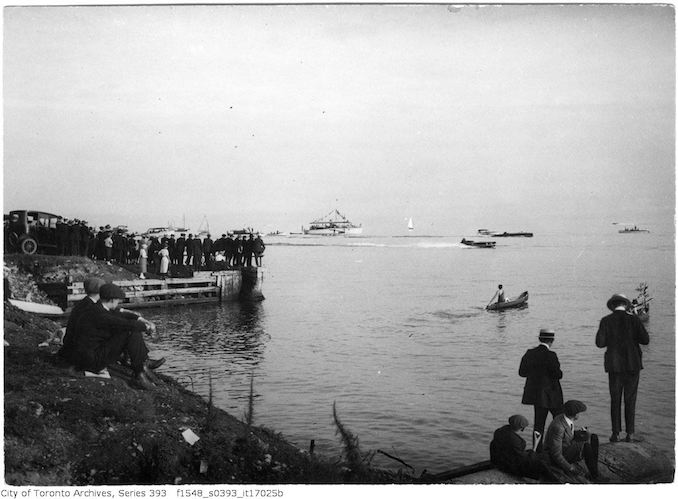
x=41, y=309
x=515, y=302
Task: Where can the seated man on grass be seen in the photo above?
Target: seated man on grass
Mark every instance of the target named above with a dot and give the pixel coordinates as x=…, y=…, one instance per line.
x=508, y=452
x=103, y=334
x=566, y=447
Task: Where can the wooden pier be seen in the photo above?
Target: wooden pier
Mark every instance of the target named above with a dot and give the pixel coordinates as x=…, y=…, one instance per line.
x=203, y=287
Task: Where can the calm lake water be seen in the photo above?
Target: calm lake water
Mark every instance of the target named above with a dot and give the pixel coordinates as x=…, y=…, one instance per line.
x=393, y=330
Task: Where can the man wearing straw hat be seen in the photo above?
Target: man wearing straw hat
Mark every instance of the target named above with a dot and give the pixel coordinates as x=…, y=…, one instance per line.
x=622, y=334
x=541, y=367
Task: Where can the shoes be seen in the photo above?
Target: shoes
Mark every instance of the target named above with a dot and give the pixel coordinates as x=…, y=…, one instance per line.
x=631, y=438
x=142, y=382
x=154, y=364
x=615, y=438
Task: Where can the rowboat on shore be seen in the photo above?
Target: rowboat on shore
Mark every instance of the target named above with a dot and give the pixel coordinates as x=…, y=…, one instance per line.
x=41, y=309
x=514, y=303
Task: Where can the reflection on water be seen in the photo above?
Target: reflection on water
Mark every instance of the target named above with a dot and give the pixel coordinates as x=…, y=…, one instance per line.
x=224, y=342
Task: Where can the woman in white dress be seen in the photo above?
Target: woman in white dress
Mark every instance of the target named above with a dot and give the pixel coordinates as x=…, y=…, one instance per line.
x=164, y=260
x=143, y=260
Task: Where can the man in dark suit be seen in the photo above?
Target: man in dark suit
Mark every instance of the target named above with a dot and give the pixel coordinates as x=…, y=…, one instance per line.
x=508, y=451
x=67, y=351
x=179, y=250
x=104, y=333
x=622, y=334
x=566, y=447
x=541, y=367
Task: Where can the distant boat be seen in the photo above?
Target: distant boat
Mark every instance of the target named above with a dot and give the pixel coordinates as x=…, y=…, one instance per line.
x=514, y=303
x=632, y=230
x=512, y=234
x=478, y=244
x=333, y=224
x=410, y=225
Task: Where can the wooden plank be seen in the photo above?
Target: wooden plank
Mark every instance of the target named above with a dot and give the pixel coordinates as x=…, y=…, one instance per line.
x=457, y=472
x=170, y=292
x=169, y=302
x=172, y=280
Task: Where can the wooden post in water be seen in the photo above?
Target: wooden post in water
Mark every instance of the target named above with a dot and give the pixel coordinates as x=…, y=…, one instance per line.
x=252, y=279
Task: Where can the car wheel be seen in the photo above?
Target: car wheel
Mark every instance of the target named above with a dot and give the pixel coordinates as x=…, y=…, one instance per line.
x=28, y=246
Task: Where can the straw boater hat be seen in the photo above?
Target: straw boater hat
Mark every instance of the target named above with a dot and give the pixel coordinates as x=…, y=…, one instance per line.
x=547, y=334
x=616, y=300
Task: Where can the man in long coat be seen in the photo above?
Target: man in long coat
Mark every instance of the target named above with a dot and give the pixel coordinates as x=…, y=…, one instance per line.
x=541, y=367
x=622, y=334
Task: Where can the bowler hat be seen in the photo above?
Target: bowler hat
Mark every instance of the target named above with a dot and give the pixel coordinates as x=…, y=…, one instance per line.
x=518, y=422
x=572, y=407
x=111, y=291
x=616, y=300
x=93, y=284
x=547, y=334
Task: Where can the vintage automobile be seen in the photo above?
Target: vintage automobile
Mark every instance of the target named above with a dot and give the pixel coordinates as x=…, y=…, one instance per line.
x=29, y=231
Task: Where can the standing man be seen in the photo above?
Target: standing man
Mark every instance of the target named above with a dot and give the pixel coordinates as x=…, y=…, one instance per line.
x=179, y=250
x=248, y=250
x=541, y=367
x=622, y=334
x=207, y=251
x=258, y=247
x=229, y=251
x=189, y=250
x=197, y=252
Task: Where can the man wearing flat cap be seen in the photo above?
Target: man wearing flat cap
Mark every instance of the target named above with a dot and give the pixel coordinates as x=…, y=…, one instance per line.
x=92, y=286
x=104, y=333
x=508, y=451
x=541, y=367
x=566, y=447
x=622, y=334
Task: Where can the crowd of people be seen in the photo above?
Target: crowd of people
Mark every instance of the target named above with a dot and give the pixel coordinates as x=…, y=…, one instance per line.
x=228, y=252
x=563, y=447
x=158, y=254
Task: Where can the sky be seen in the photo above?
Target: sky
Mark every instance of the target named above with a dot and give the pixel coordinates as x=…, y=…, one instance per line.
x=513, y=117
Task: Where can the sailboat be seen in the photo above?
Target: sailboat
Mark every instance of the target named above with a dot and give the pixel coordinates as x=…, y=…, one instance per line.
x=410, y=225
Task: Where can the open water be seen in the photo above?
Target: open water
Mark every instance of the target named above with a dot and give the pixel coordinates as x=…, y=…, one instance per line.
x=393, y=330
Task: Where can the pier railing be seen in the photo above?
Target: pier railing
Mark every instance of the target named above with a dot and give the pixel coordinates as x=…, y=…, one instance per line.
x=203, y=287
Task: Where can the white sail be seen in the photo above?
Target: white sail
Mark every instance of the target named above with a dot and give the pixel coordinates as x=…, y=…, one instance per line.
x=410, y=225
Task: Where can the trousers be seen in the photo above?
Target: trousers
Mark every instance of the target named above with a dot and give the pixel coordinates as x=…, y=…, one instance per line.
x=623, y=384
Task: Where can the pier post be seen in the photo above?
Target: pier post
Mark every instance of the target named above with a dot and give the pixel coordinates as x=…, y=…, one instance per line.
x=252, y=280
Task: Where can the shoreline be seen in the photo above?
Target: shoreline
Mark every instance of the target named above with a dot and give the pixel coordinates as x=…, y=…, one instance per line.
x=65, y=429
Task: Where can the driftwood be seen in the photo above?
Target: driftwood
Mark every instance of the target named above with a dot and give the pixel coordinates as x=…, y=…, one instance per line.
x=457, y=472
x=394, y=458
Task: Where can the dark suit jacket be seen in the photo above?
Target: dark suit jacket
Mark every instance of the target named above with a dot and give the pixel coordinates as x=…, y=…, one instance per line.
x=507, y=449
x=542, y=369
x=95, y=327
x=559, y=438
x=622, y=334
x=70, y=341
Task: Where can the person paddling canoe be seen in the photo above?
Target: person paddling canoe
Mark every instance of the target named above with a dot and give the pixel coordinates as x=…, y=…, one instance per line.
x=499, y=295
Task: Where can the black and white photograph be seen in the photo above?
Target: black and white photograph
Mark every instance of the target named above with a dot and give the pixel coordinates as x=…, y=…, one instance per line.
x=278, y=249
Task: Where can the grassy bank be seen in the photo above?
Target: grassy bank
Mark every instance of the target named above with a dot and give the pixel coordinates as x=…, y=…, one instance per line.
x=62, y=428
